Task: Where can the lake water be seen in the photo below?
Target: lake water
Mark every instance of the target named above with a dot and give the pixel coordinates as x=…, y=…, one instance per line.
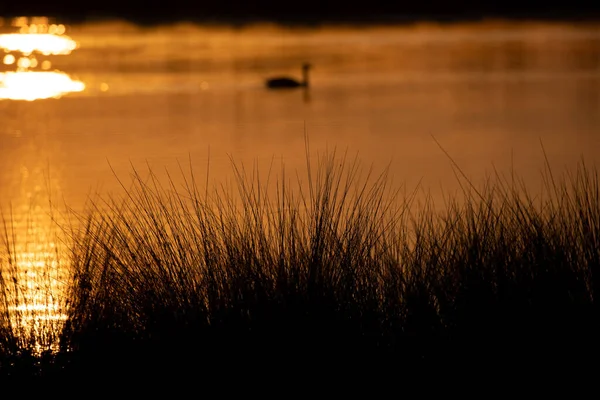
x=490, y=93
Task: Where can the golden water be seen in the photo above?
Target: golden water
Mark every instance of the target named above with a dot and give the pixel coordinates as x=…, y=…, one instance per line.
x=83, y=103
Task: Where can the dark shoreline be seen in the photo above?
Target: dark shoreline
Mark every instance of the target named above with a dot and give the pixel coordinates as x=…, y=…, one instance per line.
x=308, y=20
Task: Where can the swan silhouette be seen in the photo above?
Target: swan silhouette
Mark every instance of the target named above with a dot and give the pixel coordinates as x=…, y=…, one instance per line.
x=288, y=83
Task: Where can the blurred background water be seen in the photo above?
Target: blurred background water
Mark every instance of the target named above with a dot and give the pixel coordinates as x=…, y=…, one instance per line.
x=488, y=92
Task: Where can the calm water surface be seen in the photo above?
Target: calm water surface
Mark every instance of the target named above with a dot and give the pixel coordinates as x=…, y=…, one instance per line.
x=488, y=93
x=491, y=94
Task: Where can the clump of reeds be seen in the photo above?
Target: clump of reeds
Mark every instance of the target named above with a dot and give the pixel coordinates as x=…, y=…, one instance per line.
x=336, y=269
x=219, y=274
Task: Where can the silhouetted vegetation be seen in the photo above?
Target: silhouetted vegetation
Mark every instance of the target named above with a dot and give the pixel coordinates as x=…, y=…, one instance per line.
x=335, y=272
x=306, y=12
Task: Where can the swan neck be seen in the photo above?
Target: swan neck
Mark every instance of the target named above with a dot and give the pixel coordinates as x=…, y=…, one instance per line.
x=305, y=76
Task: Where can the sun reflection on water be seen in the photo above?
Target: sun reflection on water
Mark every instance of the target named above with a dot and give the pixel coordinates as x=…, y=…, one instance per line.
x=36, y=299
x=35, y=38
x=43, y=43
x=35, y=278
x=32, y=85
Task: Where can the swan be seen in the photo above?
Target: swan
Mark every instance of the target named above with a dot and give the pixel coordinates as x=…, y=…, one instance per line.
x=285, y=82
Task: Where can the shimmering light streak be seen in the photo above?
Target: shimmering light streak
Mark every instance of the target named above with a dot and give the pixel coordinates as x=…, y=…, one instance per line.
x=44, y=43
x=33, y=85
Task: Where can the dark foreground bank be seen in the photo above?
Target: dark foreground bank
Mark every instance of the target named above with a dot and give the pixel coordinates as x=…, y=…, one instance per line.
x=339, y=275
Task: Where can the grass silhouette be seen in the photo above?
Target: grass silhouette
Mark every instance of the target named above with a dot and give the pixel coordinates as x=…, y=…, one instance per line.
x=337, y=271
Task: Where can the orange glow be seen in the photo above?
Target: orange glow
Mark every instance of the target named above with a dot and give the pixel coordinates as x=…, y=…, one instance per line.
x=36, y=300
x=45, y=43
x=36, y=277
x=30, y=85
